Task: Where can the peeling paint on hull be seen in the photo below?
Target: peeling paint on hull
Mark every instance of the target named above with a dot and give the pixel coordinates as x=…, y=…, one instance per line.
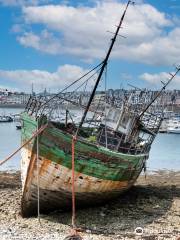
x=99, y=173
x=55, y=189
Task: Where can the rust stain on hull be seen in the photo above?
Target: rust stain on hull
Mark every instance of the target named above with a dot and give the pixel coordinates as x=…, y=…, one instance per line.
x=44, y=166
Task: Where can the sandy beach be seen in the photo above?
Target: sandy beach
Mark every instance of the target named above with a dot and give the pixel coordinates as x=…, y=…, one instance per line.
x=153, y=205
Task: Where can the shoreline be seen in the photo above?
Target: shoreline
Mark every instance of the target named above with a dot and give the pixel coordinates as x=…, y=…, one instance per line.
x=21, y=106
x=152, y=204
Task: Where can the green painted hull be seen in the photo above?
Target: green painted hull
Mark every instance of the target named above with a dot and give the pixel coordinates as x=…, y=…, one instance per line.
x=113, y=171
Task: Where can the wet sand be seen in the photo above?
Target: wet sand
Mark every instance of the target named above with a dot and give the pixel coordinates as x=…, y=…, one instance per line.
x=153, y=204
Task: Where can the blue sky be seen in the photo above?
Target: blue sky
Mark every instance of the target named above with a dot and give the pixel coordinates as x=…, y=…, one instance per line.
x=51, y=43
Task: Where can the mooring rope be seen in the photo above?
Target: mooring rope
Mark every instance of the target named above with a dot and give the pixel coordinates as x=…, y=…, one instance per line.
x=41, y=129
x=74, y=233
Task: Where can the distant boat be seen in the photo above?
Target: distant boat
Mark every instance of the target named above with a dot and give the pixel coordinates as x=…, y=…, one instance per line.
x=174, y=126
x=4, y=119
x=170, y=123
x=18, y=127
x=164, y=126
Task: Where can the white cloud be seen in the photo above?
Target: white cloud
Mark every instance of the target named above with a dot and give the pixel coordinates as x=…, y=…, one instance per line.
x=23, y=79
x=162, y=50
x=44, y=42
x=155, y=79
x=82, y=31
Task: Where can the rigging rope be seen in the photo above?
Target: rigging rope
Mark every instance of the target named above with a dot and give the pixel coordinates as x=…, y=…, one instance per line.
x=56, y=95
x=71, y=93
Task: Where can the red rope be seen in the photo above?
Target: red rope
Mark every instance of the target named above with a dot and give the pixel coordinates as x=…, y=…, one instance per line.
x=74, y=231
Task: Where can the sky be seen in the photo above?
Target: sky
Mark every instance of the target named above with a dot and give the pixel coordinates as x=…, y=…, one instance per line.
x=50, y=43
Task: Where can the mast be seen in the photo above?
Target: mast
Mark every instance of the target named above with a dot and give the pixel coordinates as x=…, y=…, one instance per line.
x=103, y=66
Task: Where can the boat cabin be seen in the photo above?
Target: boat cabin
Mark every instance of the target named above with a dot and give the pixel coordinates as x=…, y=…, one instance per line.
x=119, y=120
x=122, y=131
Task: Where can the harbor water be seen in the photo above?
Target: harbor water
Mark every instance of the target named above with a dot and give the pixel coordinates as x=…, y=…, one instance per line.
x=9, y=140
x=164, y=154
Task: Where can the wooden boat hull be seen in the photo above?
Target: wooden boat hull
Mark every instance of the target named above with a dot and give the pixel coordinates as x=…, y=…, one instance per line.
x=100, y=174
